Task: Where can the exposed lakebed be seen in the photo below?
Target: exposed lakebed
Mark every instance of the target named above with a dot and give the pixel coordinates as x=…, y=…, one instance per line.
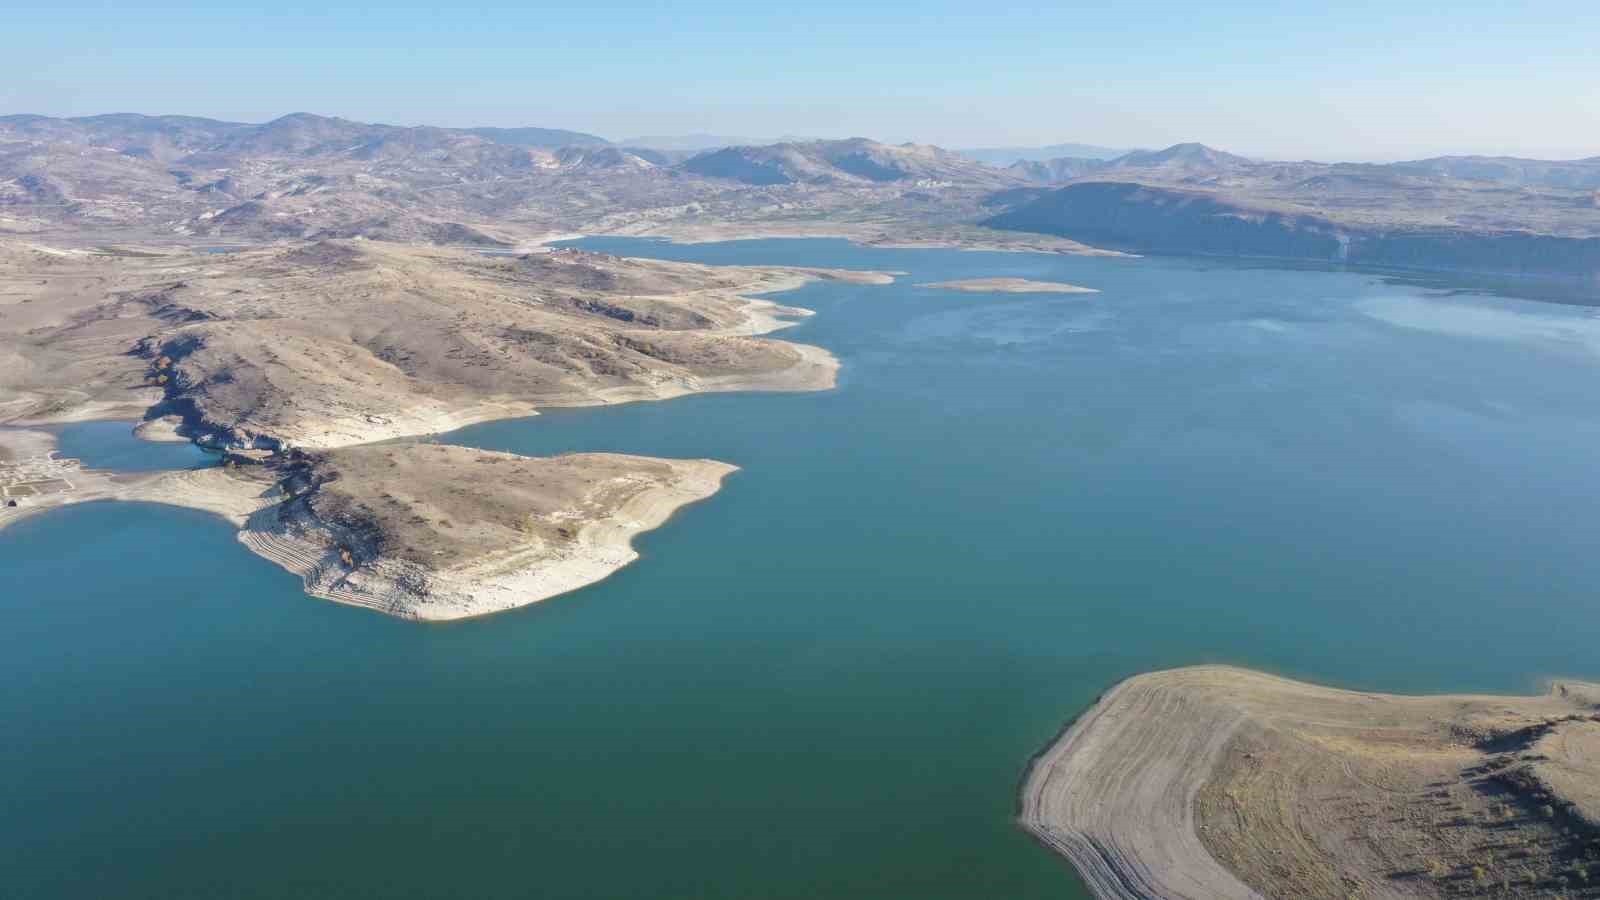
x=825, y=680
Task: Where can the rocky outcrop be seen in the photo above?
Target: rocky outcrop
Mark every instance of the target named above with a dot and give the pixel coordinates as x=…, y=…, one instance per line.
x=325, y=555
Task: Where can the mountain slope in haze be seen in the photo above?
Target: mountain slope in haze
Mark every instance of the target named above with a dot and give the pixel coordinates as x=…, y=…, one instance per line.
x=160, y=138
x=1188, y=161
x=694, y=143
x=658, y=157
x=1050, y=171
x=1171, y=219
x=856, y=160
x=1190, y=156
x=1578, y=174
x=305, y=177
x=170, y=137
x=1491, y=215
x=1005, y=156
x=597, y=158
x=548, y=138
x=297, y=176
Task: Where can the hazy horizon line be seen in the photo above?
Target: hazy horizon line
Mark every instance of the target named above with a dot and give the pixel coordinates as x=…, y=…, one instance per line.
x=737, y=139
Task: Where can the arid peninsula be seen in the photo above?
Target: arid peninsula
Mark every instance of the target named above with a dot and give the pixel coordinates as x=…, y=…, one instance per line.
x=313, y=369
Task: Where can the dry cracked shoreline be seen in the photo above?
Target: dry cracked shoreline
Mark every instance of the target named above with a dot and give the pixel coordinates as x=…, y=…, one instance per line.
x=1218, y=782
x=314, y=368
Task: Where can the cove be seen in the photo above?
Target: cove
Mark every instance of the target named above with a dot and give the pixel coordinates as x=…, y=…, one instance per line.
x=826, y=680
x=113, y=445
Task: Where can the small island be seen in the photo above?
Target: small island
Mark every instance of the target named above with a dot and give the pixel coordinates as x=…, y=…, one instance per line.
x=1011, y=286
x=1219, y=782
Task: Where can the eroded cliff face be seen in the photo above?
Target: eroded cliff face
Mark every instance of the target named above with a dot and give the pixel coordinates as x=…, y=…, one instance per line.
x=1173, y=220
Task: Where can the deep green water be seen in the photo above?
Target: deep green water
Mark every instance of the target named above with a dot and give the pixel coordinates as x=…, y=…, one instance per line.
x=826, y=680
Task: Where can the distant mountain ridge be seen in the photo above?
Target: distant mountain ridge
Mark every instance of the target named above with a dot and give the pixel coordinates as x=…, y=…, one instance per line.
x=304, y=176
x=1581, y=174
x=167, y=137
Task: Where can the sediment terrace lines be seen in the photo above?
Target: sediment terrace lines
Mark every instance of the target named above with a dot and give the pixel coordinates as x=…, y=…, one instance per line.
x=1212, y=781
x=1115, y=795
x=306, y=559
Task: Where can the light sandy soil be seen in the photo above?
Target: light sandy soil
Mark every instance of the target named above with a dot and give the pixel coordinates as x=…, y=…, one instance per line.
x=1010, y=286
x=1215, y=782
x=342, y=343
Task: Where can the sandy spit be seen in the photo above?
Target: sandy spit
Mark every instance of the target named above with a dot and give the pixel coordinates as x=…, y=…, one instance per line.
x=1117, y=800
x=1010, y=286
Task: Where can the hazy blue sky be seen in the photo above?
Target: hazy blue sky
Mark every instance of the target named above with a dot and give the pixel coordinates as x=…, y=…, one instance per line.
x=1352, y=80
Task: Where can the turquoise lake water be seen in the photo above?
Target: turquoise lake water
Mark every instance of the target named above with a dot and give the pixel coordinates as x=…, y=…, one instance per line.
x=113, y=445
x=826, y=680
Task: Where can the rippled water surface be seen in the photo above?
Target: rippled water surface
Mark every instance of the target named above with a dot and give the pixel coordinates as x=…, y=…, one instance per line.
x=826, y=680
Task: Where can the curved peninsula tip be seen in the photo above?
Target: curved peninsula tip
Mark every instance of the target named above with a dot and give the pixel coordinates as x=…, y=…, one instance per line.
x=435, y=532
x=1217, y=782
